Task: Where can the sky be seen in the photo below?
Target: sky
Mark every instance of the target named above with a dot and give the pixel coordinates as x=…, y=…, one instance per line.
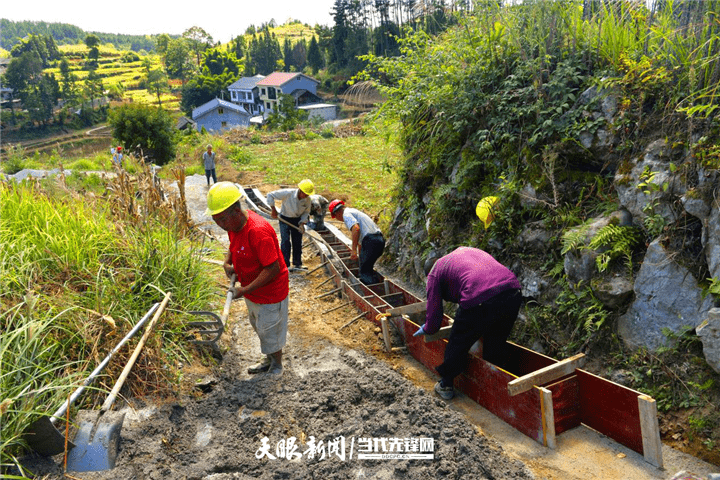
x=223, y=19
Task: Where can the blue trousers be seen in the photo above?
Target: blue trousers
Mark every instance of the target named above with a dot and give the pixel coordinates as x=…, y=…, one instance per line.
x=289, y=237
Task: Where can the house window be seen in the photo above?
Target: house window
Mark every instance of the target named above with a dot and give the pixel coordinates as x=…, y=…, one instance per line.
x=267, y=105
x=223, y=124
x=220, y=111
x=263, y=91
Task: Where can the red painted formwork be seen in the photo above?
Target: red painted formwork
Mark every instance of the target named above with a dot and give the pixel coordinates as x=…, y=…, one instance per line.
x=611, y=409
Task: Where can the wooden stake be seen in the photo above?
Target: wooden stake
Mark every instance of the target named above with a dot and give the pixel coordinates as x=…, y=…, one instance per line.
x=359, y=316
x=386, y=334
x=548, y=417
x=335, y=308
x=652, y=445
x=328, y=293
x=318, y=267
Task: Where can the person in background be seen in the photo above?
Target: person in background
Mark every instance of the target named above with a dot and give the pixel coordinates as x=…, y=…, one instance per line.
x=368, y=242
x=254, y=256
x=318, y=209
x=294, y=215
x=117, y=156
x=488, y=297
x=209, y=163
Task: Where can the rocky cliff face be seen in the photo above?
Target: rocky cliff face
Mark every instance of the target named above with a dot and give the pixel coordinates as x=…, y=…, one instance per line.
x=664, y=193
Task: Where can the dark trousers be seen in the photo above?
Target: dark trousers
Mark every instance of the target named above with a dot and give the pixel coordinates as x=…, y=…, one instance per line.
x=493, y=321
x=290, y=236
x=371, y=248
x=210, y=173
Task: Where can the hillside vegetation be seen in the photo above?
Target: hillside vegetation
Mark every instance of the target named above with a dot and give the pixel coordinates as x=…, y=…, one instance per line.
x=514, y=103
x=66, y=34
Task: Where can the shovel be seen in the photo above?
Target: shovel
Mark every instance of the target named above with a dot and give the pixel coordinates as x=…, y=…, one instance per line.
x=42, y=435
x=98, y=436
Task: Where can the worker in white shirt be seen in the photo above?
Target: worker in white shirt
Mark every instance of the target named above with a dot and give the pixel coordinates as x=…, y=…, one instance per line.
x=295, y=211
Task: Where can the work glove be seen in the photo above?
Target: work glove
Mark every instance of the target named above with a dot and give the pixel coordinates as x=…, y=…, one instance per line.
x=421, y=331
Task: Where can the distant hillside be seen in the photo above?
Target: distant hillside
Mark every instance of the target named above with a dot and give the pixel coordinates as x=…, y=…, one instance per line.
x=65, y=34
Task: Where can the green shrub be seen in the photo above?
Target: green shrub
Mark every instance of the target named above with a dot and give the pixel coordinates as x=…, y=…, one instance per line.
x=15, y=160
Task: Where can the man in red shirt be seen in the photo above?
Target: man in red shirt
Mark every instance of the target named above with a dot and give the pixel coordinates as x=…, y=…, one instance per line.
x=255, y=256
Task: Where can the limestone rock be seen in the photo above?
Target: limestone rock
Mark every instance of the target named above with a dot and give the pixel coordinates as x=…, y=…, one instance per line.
x=709, y=333
x=666, y=296
x=613, y=292
x=656, y=159
x=712, y=241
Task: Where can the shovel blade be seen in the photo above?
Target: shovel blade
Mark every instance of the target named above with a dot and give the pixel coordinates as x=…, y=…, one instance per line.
x=97, y=441
x=43, y=437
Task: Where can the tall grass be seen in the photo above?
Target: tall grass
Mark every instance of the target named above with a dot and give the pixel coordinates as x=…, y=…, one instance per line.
x=75, y=275
x=35, y=374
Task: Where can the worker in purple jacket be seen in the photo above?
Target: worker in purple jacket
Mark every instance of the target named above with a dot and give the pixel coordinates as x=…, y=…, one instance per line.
x=488, y=298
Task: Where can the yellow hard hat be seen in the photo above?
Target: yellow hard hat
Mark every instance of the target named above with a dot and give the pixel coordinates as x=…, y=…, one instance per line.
x=221, y=196
x=307, y=187
x=484, y=210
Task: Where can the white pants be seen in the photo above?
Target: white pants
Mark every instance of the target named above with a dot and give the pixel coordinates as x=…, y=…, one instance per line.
x=270, y=322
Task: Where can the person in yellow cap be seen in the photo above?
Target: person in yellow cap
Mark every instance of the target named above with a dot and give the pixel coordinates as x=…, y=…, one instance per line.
x=295, y=213
x=485, y=210
x=254, y=256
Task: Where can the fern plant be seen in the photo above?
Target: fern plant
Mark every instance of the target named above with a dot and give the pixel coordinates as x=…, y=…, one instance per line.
x=619, y=241
x=574, y=239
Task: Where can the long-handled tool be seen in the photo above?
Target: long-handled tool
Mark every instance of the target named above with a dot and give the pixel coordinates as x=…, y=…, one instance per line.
x=264, y=210
x=214, y=328
x=98, y=436
x=42, y=435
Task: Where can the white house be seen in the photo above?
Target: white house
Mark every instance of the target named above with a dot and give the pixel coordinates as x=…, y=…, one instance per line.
x=219, y=115
x=299, y=85
x=245, y=93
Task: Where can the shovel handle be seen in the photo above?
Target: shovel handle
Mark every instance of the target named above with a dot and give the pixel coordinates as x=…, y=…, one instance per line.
x=229, y=299
x=119, y=383
x=61, y=411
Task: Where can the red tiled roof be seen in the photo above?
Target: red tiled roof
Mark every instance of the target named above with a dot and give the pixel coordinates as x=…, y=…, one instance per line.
x=276, y=79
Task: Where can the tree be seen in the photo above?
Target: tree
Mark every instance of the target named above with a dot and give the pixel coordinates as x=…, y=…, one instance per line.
x=238, y=46
x=41, y=98
x=287, y=53
x=157, y=83
x=161, y=44
x=204, y=88
x=198, y=39
x=264, y=54
x=93, y=87
x=177, y=59
x=218, y=61
x=42, y=46
x=298, y=55
x=68, y=80
x=314, y=56
x=287, y=116
x=146, y=130
x=23, y=74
